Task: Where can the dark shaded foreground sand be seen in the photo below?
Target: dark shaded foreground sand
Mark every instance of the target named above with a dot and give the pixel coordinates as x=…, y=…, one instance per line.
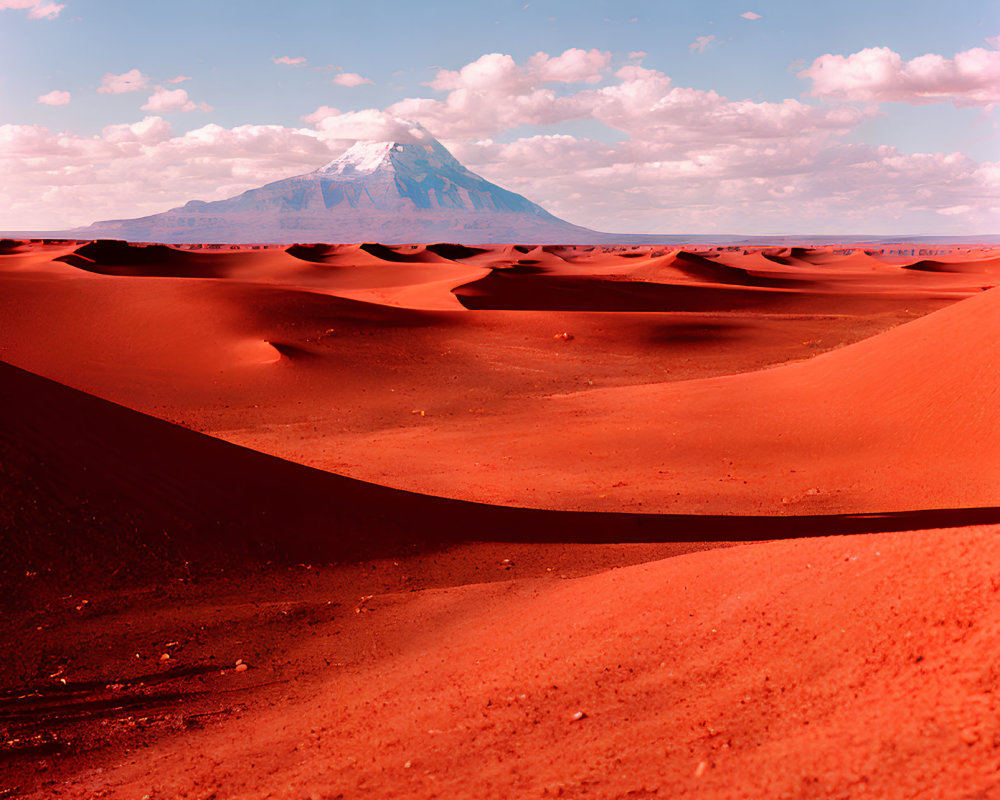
x=811, y=667
x=407, y=645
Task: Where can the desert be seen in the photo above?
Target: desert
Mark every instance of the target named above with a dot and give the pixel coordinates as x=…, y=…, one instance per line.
x=517, y=400
x=442, y=520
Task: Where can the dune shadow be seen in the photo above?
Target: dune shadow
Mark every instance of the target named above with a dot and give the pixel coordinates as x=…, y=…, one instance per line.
x=680, y=332
x=591, y=527
x=527, y=290
x=91, y=487
x=124, y=259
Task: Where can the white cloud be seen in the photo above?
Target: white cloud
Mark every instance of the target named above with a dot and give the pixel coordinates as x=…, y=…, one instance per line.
x=750, y=15
x=350, y=79
x=699, y=44
x=151, y=130
x=878, y=74
x=498, y=70
x=806, y=186
x=494, y=94
x=342, y=130
x=55, y=180
x=573, y=66
x=55, y=98
x=164, y=100
x=131, y=81
x=289, y=60
x=37, y=9
x=320, y=114
x=179, y=79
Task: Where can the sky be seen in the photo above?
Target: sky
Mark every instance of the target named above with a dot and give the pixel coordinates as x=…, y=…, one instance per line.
x=630, y=116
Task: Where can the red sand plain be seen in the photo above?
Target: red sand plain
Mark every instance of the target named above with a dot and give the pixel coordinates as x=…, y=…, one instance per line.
x=499, y=522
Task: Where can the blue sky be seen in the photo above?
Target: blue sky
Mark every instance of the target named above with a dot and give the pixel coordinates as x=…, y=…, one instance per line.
x=710, y=157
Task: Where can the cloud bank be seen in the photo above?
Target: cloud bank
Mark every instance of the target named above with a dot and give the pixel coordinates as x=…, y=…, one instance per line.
x=675, y=159
x=878, y=74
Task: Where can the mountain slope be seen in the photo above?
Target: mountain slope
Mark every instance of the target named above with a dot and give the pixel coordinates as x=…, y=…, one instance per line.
x=392, y=192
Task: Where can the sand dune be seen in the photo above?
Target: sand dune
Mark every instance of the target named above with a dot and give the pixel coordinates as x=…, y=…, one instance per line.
x=901, y=421
x=702, y=654
x=462, y=403
x=473, y=528
x=440, y=681
x=762, y=671
x=106, y=505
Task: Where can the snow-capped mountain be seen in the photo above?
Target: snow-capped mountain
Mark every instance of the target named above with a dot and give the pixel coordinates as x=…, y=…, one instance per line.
x=392, y=192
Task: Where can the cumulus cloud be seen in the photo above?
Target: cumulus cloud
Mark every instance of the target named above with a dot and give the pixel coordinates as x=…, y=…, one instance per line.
x=37, y=9
x=149, y=131
x=750, y=15
x=573, y=66
x=320, y=114
x=343, y=129
x=55, y=98
x=500, y=70
x=494, y=94
x=131, y=81
x=164, y=100
x=878, y=74
x=289, y=60
x=55, y=180
x=816, y=185
x=179, y=79
x=699, y=44
x=350, y=79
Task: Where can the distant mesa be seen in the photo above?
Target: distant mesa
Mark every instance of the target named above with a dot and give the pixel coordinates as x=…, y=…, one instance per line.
x=388, y=192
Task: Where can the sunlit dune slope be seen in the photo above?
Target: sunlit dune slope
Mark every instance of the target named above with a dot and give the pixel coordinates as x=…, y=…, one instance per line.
x=819, y=668
x=908, y=419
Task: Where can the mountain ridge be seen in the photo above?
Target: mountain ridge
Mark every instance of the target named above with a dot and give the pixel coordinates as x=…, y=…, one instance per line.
x=387, y=191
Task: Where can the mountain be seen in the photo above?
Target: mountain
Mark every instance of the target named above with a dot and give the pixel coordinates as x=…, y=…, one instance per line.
x=391, y=192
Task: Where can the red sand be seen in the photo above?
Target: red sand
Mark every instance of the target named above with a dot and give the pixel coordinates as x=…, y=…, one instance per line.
x=416, y=645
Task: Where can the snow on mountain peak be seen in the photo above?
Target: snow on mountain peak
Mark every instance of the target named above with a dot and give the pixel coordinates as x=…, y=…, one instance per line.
x=417, y=149
x=368, y=154
x=360, y=159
